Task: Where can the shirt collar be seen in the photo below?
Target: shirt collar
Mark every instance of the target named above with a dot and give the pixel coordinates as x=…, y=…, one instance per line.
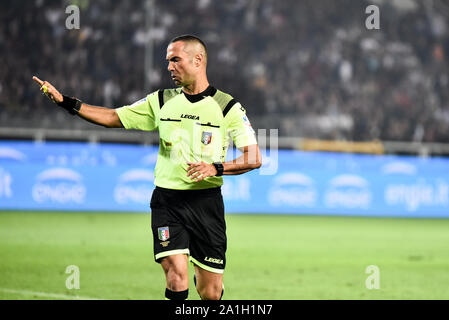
x=210, y=91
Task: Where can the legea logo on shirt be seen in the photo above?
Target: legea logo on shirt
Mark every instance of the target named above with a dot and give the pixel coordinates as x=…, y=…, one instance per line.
x=189, y=116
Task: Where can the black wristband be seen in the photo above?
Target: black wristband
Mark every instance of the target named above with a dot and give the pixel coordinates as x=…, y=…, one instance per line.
x=219, y=167
x=72, y=105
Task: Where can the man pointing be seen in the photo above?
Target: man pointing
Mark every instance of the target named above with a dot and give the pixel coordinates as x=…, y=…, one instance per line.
x=195, y=122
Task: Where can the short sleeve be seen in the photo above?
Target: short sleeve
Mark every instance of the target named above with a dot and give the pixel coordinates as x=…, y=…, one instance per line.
x=141, y=115
x=239, y=127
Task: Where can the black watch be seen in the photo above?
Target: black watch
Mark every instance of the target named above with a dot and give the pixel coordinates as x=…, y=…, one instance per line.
x=219, y=167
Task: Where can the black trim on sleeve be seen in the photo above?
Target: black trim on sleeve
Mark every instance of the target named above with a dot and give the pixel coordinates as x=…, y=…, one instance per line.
x=160, y=95
x=228, y=107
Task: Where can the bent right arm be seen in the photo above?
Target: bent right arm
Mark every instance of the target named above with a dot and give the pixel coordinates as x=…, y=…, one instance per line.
x=98, y=115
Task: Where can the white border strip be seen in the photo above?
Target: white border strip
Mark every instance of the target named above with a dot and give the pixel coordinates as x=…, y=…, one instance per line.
x=203, y=266
x=164, y=254
x=46, y=295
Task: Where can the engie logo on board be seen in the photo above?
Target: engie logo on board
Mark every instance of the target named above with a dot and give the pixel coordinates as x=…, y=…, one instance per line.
x=8, y=155
x=348, y=191
x=59, y=185
x=413, y=191
x=293, y=189
x=134, y=186
x=238, y=189
x=5, y=184
x=11, y=154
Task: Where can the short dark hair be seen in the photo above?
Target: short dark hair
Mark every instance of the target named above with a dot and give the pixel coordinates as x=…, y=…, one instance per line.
x=190, y=38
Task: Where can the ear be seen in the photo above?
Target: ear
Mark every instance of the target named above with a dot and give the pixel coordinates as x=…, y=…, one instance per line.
x=198, y=59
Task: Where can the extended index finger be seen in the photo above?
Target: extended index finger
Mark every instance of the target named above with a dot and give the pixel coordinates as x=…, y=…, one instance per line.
x=38, y=81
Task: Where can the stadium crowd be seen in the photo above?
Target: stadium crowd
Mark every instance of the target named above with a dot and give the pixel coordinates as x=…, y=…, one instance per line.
x=308, y=68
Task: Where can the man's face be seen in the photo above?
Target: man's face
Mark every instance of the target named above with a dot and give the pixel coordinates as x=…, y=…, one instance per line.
x=180, y=64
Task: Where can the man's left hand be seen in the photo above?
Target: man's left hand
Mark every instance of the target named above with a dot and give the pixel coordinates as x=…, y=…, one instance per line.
x=199, y=171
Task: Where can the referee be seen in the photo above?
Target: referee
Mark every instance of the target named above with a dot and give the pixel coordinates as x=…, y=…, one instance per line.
x=195, y=123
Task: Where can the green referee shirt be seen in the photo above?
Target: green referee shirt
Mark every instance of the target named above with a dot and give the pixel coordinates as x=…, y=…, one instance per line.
x=192, y=128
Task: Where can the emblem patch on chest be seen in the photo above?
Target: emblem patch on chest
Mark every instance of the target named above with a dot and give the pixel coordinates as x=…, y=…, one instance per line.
x=206, y=137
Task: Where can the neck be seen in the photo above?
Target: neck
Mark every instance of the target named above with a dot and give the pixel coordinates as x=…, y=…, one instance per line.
x=196, y=87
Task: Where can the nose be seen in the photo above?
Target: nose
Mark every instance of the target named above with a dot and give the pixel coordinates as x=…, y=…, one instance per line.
x=170, y=67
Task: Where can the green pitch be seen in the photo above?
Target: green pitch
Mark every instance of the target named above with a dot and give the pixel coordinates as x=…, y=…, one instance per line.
x=269, y=257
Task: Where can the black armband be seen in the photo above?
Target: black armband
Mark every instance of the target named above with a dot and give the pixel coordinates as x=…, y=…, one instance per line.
x=72, y=105
x=219, y=167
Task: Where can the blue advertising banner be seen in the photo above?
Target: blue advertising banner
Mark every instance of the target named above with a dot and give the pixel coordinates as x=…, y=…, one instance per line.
x=114, y=177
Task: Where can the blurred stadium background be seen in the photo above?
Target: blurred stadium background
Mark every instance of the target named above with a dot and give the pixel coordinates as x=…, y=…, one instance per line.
x=363, y=123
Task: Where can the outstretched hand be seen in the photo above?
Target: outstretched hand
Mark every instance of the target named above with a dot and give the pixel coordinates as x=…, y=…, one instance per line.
x=49, y=90
x=200, y=170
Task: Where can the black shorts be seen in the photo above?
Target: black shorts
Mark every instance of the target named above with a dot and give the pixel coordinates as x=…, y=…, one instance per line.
x=190, y=222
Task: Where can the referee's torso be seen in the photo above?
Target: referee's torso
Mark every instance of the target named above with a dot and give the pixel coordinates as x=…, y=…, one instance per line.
x=192, y=128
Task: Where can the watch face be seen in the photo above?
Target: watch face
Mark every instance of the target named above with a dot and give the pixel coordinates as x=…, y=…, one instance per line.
x=219, y=168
